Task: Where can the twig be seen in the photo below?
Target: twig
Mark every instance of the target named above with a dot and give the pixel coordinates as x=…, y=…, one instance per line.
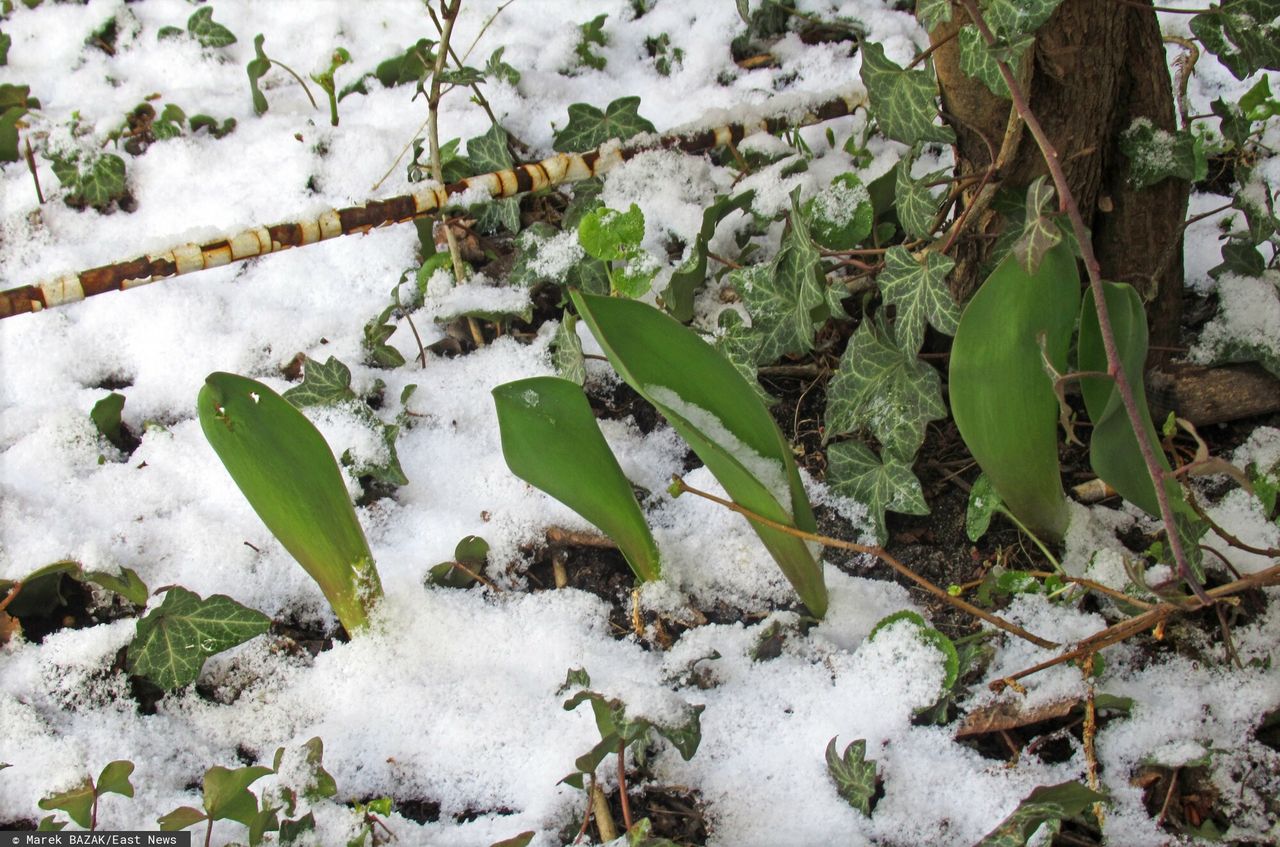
x=604, y=818
x=622, y=784
x=1270, y=552
x=881, y=554
x=1115, y=368
x=558, y=536
x=31, y=166
x=1096, y=586
x=1089, y=737
x=930, y=51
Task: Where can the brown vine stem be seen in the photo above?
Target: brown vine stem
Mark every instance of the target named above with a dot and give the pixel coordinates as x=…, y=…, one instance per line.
x=880, y=553
x=1124, y=388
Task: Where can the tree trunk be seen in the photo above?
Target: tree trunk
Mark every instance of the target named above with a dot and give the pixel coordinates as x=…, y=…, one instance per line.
x=1095, y=67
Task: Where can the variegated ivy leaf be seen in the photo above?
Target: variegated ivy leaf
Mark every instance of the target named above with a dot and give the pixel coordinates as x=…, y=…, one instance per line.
x=322, y=384
x=1243, y=34
x=206, y=31
x=1155, y=155
x=930, y=13
x=741, y=346
x=883, y=389
x=566, y=351
x=918, y=289
x=1039, y=231
x=854, y=776
x=589, y=127
x=881, y=483
x=903, y=102
x=489, y=152
x=1050, y=804
x=916, y=204
x=176, y=637
x=980, y=62
x=1011, y=18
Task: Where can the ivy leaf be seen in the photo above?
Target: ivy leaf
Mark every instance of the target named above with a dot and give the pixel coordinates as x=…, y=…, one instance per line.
x=841, y=214
x=77, y=802
x=1040, y=233
x=503, y=213
x=980, y=62
x=930, y=13
x=983, y=503
x=114, y=778
x=610, y=235
x=883, y=389
x=465, y=75
x=322, y=384
x=1045, y=805
x=5, y=43
x=919, y=291
x=227, y=795
x=173, y=640
x=589, y=127
x=1155, y=155
x=854, y=776
x=566, y=350
x=489, y=152
x=880, y=483
x=1012, y=18
x=738, y=343
x=127, y=584
x=210, y=34
x=497, y=69
x=1243, y=34
x=1242, y=258
x=410, y=66
x=904, y=102
x=592, y=33
x=94, y=182
x=257, y=69
x=106, y=418
x=916, y=203
x=378, y=353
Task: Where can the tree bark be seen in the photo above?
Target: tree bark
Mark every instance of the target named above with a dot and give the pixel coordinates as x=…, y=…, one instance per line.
x=1096, y=66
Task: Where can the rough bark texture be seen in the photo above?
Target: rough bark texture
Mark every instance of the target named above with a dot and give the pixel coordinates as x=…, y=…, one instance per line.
x=1096, y=66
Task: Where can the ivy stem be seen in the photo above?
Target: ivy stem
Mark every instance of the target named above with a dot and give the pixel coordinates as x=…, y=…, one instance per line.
x=622, y=785
x=1067, y=203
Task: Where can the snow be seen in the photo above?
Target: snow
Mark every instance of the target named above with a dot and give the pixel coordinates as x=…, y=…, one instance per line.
x=454, y=696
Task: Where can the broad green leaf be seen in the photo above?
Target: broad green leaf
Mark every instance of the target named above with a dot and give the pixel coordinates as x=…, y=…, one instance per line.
x=916, y=204
x=717, y=412
x=1155, y=155
x=930, y=13
x=181, y=818
x=566, y=350
x=1002, y=399
x=883, y=389
x=174, y=639
x=127, y=584
x=689, y=277
x=919, y=292
x=880, y=483
x=257, y=69
x=979, y=62
x=106, y=417
x=931, y=636
x=1243, y=34
x=738, y=343
x=1011, y=18
x=378, y=354
x=489, y=152
x=503, y=213
x=94, y=182
x=227, y=795
x=1257, y=104
x=904, y=102
x=326, y=384
x=1242, y=258
x=41, y=590
x=286, y=471
x=465, y=75
x=854, y=776
x=496, y=69
x=410, y=66
x=1047, y=804
x=77, y=802
x=9, y=131
x=840, y=215
x=114, y=778
x=1040, y=233
x=983, y=503
x=210, y=34
x=589, y=127
x=550, y=440
x=610, y=235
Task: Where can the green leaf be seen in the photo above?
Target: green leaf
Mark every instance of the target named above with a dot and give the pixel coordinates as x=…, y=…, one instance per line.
x=286, y=471
x=566, y=351
x=929, y=635
x=41, y=590
x=464, y=75
x=217, y=130
x=95, y=181
x=589, y=127
x=1243, y=34
x=1257, y=104
x=689, y=277
x=930, y=13
x=1010, y=18
x=738, y=343
x=128, y=584
x=5, y=43
x=114, y=778
x=410, y=66
x=904, y=102
x=1002, y=399
x=916, y=204
x=978, y=61
x=880, y=484
x=713, y=408
x=378, y=353
x=919, y=292
x=854, y=776
x=210, y=34
x=174, y=639
x=883, y=389
x=1046, y=804
x=591, y=33
x=840, y=215
x=497, y=69
x=227, y=795
x=106, y=417
x=983, y=503
x=524, y=839
x=166, y=32
x=1040, y=233
x=257, y=69
x=181, y=818
x=1242, y=258
x=472, y=552
x=327, y=384
x=9, y=131
x=489, y=152
x=76, y=802
x=550, y=440
x=610, y=235
x=1155, y=155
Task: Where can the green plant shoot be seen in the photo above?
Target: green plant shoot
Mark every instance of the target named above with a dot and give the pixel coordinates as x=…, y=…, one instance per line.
x=1002, y=396
x=287, y=472
x=550, y=440
x=712, y=406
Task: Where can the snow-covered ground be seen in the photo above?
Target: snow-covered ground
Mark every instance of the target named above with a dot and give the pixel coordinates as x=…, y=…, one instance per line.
x=453, y=697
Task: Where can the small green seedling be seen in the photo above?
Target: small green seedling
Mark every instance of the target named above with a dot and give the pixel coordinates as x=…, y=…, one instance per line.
x=614, y=238
x=202, y=27
x=257, y=69
x=1046, y=806
x=286, y=471
x=81, y=803
x=226, y=797
x=324, y=79
x=550, y=440
x=854, y=776
x=174, y=639
x=469, y=559
x=713, y=408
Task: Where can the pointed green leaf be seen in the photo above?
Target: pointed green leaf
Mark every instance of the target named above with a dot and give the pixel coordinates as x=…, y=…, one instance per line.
x=566, y=350
x=1243, y=34
x=883, y=389
x=1009, y=18
x=717, y=412
x=1040, y=233
x=610, y=235
x=322, y=384
x=978, y=62
x=524, y=839
x=880, y=484
x=738, y=343
x=286, y=471
x=550, y=440
x=1002, y=399
x=983, y=503
x=689, y=277
x=227, y=795
x=916, y=204
x=127, y=584
x=106, y=417
x=489, y=152
x=854, y=776
x=257, y=69
x=181, y=818
x=1046, y=804
x=589, y=127
x=904, y=102
x=95, y=182
x=76, y=802
x=174, y=639
x=930, y=13
x=919, y=292
x=114, y=778
x=210, y=34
